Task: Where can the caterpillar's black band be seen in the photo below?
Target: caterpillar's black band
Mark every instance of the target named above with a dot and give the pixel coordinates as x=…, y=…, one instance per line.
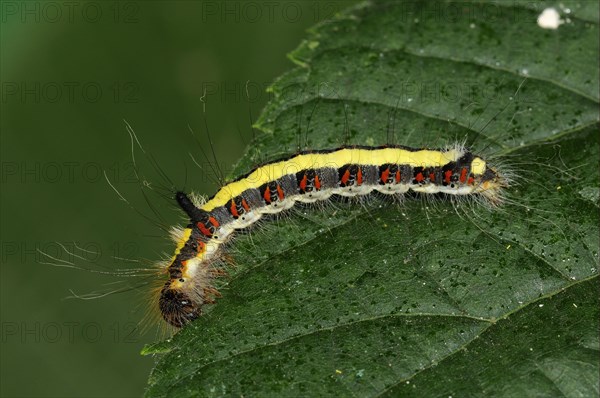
x=188, y=206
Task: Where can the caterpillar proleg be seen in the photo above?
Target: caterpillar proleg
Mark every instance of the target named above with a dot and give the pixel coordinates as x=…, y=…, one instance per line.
x=307, y=177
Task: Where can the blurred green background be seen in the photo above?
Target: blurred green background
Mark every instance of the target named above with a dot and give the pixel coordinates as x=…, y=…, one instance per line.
x=71, y=73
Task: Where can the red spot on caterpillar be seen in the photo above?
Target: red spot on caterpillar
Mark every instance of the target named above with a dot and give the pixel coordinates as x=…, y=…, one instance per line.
x=233, y=209
x=419, y=177
x=447, y=176
x=267, y=195
x=346, y=177
x=280, y=192
x=385, y=175
x=398, y=177
x=184, y=263
x=471, y=181
x=303, y=183
x=205, y=231
x=201, y=246
x=463, y=175
x=213, y=221
x=245, y=205
x=317, y=182
x=359, y=177
x=432, y=177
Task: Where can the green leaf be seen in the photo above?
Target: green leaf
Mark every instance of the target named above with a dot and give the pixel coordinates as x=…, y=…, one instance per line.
x=421, y=298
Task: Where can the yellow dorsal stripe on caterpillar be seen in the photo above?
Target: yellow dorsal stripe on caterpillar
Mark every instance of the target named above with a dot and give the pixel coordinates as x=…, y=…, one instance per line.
x=273, y=171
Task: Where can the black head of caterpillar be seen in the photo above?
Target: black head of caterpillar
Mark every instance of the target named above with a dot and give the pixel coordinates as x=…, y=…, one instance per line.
x=177, y=307
x=270, y=188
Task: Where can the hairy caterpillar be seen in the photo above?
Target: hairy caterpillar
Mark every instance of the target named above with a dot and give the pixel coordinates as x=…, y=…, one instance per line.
x=307, y=177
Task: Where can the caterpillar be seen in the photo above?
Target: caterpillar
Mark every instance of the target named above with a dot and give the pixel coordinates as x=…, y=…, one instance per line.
x=307, y=177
